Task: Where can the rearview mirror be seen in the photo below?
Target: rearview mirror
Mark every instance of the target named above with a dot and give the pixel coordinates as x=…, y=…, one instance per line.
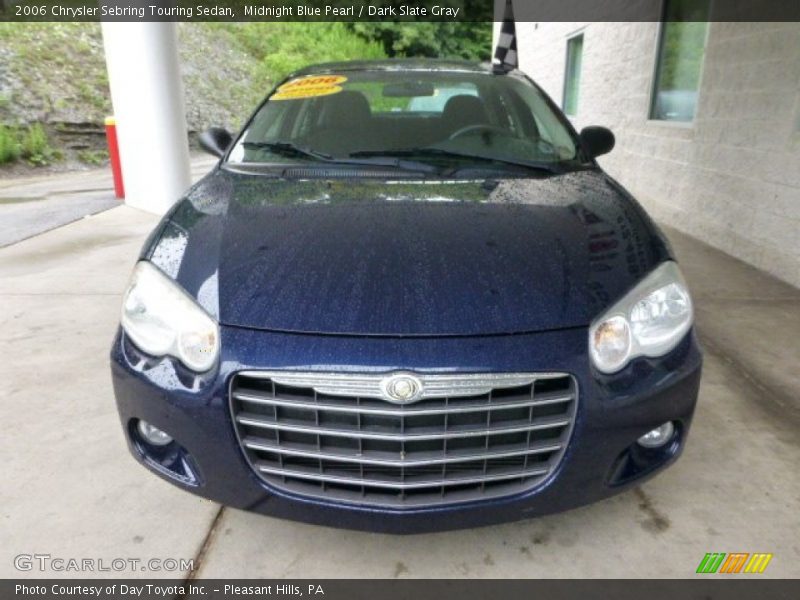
x=597, y=140
x=215, y=140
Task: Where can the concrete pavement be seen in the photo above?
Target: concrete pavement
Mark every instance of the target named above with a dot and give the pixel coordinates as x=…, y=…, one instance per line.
x=71, y=490
x=32, y=205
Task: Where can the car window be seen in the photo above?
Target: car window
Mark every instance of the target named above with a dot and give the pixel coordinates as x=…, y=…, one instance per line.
x=439, y=114
x=443, y=93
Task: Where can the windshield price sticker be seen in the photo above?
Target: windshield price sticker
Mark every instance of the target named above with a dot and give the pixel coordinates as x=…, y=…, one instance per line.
x=310, y=87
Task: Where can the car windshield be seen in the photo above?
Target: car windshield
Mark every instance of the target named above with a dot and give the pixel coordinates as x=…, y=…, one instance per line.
x=457, y=119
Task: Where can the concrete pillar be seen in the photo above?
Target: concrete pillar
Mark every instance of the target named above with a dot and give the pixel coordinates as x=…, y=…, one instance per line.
x=147, y=94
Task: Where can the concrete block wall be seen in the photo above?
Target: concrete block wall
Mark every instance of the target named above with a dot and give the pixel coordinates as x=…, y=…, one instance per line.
x=731, y=177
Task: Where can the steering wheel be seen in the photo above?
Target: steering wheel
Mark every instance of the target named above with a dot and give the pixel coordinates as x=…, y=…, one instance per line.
x=473, y=128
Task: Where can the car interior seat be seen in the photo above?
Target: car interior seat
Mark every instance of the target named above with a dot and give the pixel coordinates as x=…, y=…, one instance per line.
x=342, y=125
x=462, y=111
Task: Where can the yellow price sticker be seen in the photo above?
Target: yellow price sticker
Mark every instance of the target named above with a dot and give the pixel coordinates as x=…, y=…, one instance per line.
x=310, y=87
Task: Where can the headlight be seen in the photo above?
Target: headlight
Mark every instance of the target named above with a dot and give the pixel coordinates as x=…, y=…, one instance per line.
x=161, y=319
x=649, y=320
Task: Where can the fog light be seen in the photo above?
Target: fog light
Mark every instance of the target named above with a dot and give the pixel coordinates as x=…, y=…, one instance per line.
x=658, y=436
x=153, y=435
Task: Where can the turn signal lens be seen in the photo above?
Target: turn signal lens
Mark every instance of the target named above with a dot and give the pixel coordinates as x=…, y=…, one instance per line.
x=611, y=344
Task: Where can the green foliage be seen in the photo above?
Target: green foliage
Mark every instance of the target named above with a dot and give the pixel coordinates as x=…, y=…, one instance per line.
x=683, y=44
x=282, y=48
x=61, y=76
x=468, y=41
x=57, y=64
x=94, y=158
x=682, y=55
x=35, y=147
x=9, y=146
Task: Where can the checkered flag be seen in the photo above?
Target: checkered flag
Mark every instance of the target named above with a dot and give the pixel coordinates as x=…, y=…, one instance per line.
x=505, y=54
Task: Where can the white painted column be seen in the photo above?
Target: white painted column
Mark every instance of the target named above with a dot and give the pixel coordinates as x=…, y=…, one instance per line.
x=147, y=94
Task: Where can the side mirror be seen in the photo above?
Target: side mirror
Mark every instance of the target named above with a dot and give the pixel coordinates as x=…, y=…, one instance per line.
x=597, y=140
x=215, y=141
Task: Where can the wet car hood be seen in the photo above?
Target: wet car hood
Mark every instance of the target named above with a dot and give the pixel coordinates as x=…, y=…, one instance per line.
x=372, y=257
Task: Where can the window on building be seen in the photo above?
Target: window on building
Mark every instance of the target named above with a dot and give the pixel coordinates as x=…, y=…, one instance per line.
x=681, y=47
x=572, y=75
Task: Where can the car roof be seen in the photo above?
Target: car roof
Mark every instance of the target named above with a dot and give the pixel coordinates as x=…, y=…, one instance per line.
x=396, y=64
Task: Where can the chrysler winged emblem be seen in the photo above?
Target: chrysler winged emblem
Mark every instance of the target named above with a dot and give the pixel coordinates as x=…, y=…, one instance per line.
x=401, y=388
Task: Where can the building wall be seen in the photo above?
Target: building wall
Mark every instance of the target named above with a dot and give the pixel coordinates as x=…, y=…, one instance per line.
x=730, y=178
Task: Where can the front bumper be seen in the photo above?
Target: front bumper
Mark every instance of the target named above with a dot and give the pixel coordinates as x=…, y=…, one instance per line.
x=601, y=458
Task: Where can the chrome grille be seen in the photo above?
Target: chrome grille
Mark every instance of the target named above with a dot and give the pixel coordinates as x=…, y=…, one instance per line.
x=468, y=437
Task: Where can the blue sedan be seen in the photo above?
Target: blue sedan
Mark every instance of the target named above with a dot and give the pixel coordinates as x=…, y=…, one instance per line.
x=406, y=299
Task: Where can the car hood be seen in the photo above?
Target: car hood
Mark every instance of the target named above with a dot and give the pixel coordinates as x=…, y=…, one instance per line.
x=401, y=258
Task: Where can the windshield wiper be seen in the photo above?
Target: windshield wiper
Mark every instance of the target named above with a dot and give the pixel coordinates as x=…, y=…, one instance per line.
x=441, y=152
x=288, y=148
